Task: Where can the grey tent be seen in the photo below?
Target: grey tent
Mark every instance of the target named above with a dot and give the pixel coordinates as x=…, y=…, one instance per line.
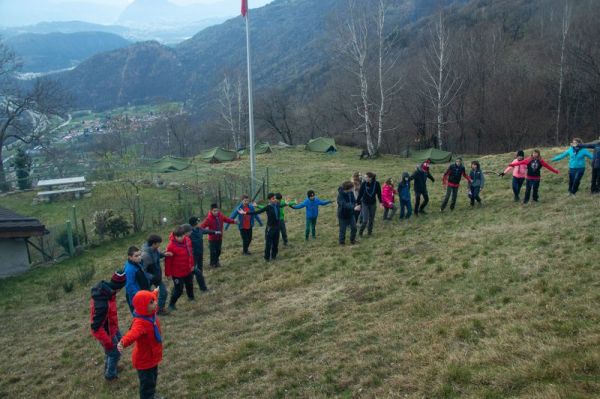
x=436, y=156
x=321, y=144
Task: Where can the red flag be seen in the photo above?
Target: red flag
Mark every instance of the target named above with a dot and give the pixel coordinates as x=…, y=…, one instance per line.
x=244, y=7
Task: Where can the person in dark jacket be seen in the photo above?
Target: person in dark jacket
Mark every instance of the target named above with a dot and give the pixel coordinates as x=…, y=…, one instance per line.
x=198, y=250
x=595, y=165
x=420, y=176
x=104, y=322
x=404, y=194
x=272, y=229
x=477, y=182
x=245, y=222
x=452, y=181
x=137, y=278
x=151, y=256
x=370, y=191
x=345, y=213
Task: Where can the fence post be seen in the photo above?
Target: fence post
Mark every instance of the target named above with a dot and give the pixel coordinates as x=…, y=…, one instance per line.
x=85, y=235
x=268, y=182
x=70, y=238
x=74, y=218
x=219, y=195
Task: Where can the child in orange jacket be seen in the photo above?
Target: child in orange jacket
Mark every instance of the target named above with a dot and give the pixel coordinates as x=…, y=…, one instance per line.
x=145, y=333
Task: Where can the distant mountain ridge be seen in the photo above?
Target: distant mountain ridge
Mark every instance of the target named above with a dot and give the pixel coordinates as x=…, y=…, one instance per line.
x=290, y=45
x=53, y=51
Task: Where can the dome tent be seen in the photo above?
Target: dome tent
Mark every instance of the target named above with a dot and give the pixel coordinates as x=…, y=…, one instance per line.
x=217, y=155
x=169, y=164
x=321, y=144
x=436, y=156
x=260, y=147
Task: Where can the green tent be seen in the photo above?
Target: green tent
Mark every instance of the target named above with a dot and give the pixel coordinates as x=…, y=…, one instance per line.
x=321, y=144
x=170, y=164
x=436, y=156
x=217, y=155
x=260, y=147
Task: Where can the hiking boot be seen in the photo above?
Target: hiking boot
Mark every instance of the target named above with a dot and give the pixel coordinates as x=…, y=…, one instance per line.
x=423, y=212
x=162, y=312
x=172, y=308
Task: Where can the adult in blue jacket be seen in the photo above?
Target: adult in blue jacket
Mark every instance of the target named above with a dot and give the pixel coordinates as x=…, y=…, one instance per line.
x=595, y=165
x=577, y=156
x=245, y=222
x=312, y=204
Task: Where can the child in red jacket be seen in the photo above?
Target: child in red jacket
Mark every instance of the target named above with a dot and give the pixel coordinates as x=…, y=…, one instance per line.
x=180, y=266
x=215, y=221
x=145, y=333
x=104, y=322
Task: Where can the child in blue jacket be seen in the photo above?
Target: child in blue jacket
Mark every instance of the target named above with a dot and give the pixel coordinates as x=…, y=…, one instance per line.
x=312, y=204
x=404, y=193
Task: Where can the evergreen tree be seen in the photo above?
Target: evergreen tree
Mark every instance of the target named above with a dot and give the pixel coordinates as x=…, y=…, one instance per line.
x=22, y=164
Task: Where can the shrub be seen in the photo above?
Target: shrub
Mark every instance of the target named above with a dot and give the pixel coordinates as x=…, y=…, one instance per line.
x=63, y=239
x=118, y=226
x=106, y=222
x=68, y=286
x=100, y=222
x=86, y=274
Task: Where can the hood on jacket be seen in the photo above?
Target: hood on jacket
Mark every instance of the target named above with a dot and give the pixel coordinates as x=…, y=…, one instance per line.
x=141, y=301
x=103, y=291
x=148, y=248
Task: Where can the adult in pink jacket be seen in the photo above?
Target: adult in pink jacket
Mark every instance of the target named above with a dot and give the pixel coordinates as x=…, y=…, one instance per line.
x=519, y=173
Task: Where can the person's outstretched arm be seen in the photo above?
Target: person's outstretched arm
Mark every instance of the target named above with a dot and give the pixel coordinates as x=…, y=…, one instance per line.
x=301, y=205
x=561, y=155
x=549, y=167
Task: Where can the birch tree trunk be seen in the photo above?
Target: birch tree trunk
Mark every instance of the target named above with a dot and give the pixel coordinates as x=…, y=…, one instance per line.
x=561, y=79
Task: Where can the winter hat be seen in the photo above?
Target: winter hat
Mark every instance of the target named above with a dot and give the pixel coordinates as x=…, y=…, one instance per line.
x=186, y=228
x=118, y=280
x=520, y=153
x=425, y=165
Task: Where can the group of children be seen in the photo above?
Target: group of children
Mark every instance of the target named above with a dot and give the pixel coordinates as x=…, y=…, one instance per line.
x=357, y=202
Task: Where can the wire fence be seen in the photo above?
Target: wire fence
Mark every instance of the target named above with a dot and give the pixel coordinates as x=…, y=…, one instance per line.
x=141, y=204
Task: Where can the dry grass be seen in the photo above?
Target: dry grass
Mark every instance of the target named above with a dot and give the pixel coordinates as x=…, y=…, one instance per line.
x=495, y=302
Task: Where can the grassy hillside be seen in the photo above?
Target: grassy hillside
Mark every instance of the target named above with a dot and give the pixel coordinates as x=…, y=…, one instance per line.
x=492, y=302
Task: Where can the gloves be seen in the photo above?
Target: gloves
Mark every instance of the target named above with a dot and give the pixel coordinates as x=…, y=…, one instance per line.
x=501, y=174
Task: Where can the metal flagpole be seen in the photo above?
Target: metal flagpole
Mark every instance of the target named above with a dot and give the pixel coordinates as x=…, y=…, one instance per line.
x=250, y=109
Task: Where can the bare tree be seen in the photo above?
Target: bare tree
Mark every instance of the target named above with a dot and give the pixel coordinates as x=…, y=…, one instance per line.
x=386, y=65
x=566, y=21
x=24, y=113
x=441, y=84
x=231, y=96
x=352, y=46
x=275, y=111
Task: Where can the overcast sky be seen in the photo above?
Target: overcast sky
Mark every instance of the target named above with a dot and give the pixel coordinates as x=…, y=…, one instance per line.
x=25, y=12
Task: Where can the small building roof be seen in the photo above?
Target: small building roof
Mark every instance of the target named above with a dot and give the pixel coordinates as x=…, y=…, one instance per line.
x=13, y=225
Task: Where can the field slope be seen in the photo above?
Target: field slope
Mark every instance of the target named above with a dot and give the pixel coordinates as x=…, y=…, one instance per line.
x=492, y=302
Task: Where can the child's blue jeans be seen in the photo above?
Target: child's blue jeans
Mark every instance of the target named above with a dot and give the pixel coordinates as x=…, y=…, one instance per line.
x=405, y=208
x=112, y=359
